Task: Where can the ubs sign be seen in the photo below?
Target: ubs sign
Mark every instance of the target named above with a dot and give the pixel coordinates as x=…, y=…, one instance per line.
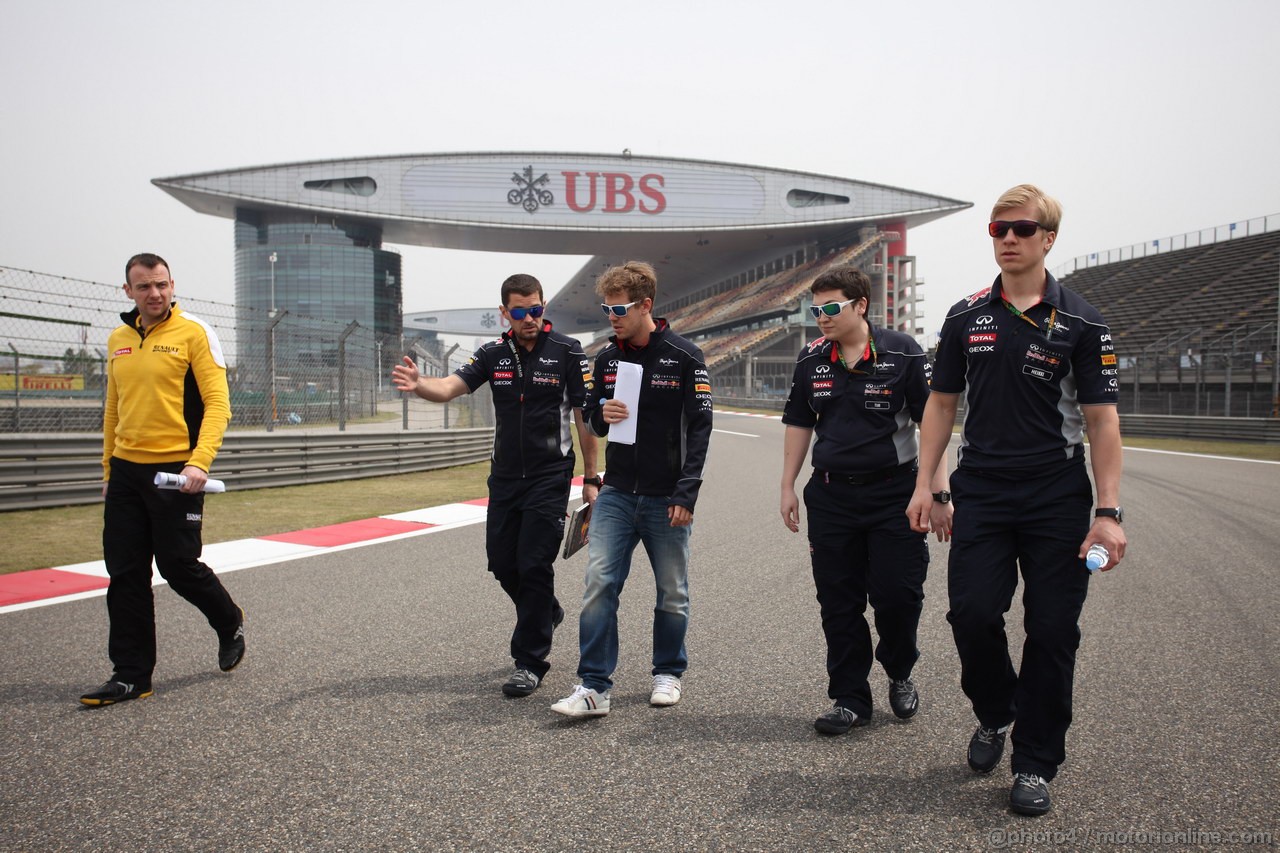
x=571, y=193
x=612, y=192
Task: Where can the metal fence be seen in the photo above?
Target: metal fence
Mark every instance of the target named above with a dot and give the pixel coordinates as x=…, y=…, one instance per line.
x=66, y=468
x=284, y=371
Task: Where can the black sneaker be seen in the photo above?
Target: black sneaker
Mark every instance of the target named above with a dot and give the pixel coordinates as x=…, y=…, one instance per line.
x=231, y=648
x=522, y=683
x=1030, y=794
x=838, y=720
x=115, y=691
x=985, y=748
x=904, y=699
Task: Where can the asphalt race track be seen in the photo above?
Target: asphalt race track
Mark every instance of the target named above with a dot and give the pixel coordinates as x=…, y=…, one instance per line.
x=367, y=714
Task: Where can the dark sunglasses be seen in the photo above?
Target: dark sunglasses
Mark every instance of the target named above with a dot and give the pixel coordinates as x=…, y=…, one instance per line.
x=831, y=309
x=1023, y=228
x=520, y=313
x=617, y=310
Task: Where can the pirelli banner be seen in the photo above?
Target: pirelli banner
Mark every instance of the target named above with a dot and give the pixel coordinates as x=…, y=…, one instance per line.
x=42, y=382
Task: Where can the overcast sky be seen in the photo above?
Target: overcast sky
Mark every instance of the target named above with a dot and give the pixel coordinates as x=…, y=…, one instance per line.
x=1146, y=119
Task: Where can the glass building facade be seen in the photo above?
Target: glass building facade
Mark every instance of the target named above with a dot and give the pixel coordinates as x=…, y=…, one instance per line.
x=325, y=273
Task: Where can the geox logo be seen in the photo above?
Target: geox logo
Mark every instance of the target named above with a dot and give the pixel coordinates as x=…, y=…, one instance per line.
x=193, y=516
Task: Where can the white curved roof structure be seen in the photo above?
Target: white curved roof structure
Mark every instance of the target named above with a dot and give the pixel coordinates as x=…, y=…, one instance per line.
x=695, y=220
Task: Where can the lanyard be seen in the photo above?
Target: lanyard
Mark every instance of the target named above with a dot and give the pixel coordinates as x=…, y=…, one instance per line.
x=515, y=354
x=1048, y=330
x=871, y=348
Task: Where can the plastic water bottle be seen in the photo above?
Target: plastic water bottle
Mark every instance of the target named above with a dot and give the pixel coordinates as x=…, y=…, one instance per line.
x=1096, y=557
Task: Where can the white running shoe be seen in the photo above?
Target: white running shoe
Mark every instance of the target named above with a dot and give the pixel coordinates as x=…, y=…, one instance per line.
x=583, y=702
x=666, y=690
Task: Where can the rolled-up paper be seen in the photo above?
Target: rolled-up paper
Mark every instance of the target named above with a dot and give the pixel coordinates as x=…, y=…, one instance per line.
x=177, y=481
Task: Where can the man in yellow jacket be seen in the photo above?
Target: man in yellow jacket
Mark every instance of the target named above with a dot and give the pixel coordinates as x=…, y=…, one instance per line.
x=167, y=408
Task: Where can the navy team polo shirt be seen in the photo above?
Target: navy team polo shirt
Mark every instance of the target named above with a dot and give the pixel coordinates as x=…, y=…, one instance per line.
x=534, y=395
x=865, y=418
x=1025, y=377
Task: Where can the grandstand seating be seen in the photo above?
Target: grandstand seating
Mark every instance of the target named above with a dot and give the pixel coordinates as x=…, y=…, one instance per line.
x=1205, y=289
x=722, y=349
x=746, y=321
x=766, y=295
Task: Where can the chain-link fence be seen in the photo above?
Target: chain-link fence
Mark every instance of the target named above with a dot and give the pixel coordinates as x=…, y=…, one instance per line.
x=285, y=371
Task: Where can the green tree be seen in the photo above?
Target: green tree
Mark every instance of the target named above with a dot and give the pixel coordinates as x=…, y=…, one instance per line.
x=80, y=362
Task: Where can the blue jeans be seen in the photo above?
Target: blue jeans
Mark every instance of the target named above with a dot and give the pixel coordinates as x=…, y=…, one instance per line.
x=618, y=522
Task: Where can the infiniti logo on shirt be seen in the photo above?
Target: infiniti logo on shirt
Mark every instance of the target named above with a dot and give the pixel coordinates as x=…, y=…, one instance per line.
x=985, y=320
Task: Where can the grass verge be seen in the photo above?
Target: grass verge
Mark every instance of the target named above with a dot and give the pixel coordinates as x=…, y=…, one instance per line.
x=40, y=538
x=36, y=539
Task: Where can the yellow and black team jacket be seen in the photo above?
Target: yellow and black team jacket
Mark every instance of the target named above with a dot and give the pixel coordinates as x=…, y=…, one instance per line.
x=167, y=398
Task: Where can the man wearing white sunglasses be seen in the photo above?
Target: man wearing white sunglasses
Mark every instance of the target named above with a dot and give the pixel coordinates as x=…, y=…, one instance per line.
x=861, y=389
x=537, y=377
x=650, y=489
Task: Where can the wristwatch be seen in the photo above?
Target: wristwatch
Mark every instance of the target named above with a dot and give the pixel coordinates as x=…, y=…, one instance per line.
x=592, y=481
x=1110, y=512
x=942, y=497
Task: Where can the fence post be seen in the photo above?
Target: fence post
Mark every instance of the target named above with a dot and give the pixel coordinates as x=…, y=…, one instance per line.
x=342, y=374
x=447, y=355
x=271, y=366
x=17, y=391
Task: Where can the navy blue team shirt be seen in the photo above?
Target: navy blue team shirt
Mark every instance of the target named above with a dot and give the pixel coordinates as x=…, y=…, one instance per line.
x=864, y=418
x=1024, y=375
x=534, y=395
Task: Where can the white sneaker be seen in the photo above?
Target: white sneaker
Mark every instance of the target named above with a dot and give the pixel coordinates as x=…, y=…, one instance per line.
x=666, y=690
x=583, y=702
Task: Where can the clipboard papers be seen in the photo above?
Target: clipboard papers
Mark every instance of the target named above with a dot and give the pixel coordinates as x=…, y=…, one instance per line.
x=627, y=390
x=579, y=521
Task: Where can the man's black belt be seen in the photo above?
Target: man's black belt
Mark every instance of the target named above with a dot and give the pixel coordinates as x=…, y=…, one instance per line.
x=866, y=478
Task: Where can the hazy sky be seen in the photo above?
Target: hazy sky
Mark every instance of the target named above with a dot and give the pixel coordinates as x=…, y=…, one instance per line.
x=1146, y=119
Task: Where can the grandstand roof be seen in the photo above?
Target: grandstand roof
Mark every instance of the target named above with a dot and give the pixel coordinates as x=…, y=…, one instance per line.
x=694, y=219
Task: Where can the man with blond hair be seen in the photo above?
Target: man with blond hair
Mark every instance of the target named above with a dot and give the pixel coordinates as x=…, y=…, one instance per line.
x=1035, y=363
x=650, y=488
